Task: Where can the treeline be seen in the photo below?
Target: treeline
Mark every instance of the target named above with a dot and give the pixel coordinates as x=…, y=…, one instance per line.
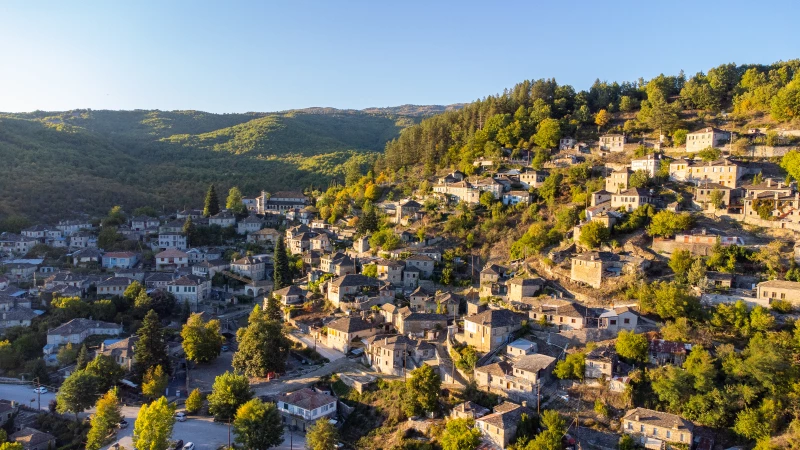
x=538, y=112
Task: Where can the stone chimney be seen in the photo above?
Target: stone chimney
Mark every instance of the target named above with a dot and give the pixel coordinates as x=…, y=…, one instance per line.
x=636, y=417
x=769, y=182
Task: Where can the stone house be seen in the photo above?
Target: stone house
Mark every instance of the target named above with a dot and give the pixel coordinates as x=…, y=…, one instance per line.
x=500, y=427
x=113, y=286
x=565, y=315
x=657, y=428
x=249, y=224
x=407, y=211
x=593, y=267
x=301, y=409
x=524, y=287
x=342, y=332
x=704, y=138
x=424, y=263
x=76, y=330
x=601, y=363
x=650, y=164
x=633, y=198
x=143, y=223
x=33, y=439
x=397, y=353
x=612, y=142
x=390, y=271
x=618, y=180
x=120, y=351
x=620, y=318
x=290, y=295
x=520, y=347
x=468, y=410
x=250, y=267
x=418, y=323
x=490, y=329
x=223, y=219
x=191, y=288
x=263, y=235
x=779, y=290
x=532, y=178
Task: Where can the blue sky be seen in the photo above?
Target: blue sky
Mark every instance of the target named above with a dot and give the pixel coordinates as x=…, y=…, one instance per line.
x=236, y=56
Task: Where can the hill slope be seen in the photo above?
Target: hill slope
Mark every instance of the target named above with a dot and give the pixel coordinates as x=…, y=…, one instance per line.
x=64, y=163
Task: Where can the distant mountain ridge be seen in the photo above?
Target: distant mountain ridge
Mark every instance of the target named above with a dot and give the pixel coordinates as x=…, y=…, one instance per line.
x=64, y=163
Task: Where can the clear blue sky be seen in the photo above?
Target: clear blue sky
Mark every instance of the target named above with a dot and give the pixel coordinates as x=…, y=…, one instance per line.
x=236, y=56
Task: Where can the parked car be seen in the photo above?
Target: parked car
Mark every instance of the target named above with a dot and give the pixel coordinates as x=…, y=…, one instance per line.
x=123, y=423
x=180, y=416
x=188, y=446
x=225, y=348
x=40, y=390
x=177, y=445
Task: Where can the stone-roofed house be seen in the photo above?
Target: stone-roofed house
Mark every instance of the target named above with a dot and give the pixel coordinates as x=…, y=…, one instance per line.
x=121, y=351
x=337, y=263
x=304, y=407
x=654, y=428
x=356, y=288
x=501, y=426
x=86, y=256
x=249, y=224
x=633, y=198
x=417, y=323
x=209, y=268
x=143, y=223
x=263, y=235
x=342, y=332
x=407, y=211
x=424, y=263
x=524, y=287
x=250, y=267
x=76, y=330
x=167, y=241
x=519, y=377
x=490, y=329
x=396, y=353
x=223, y=219
x=191, y=288
x=390, y=271
x=290, y=295
x=779, y=290
x=565, y=315
x=33, y=439
x=493, y=273
x=155, y=280
x=16, y=316
x=113, y=286
x=704, y=138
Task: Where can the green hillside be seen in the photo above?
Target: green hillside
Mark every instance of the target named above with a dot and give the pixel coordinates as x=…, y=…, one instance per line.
x=60, y=164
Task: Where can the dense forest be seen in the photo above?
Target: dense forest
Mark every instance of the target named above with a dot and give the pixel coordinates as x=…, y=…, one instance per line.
x=60, y=164
x=535, y=113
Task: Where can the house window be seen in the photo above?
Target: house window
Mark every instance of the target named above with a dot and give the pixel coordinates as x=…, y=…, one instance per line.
x=626, y=320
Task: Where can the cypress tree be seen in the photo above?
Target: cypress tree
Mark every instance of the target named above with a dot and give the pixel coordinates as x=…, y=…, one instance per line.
x=212, y=202
x=282, y=275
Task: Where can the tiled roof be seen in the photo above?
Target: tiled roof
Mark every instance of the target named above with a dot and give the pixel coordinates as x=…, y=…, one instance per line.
x=307, y=398
x=172, y=253
x=75, y=326
x=30, y=437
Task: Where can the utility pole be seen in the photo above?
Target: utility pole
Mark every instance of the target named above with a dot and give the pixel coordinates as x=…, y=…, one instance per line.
x=187, y=377
x=538, y=396
x=38, y=394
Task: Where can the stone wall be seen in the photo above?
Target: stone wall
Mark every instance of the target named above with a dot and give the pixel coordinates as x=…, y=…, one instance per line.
x=671, y=246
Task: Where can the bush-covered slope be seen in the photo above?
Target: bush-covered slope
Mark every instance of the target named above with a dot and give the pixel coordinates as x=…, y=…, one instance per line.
x=64, y=163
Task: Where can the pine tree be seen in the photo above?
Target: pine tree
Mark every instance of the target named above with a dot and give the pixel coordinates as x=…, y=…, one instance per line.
x=83, y=358
x=189, y=231
x=283, y=276
x=151, y=350
x=212, y=202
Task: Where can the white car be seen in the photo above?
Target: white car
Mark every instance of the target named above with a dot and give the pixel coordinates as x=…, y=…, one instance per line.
x=180, y=417
x=40, y=390
x=189, y=446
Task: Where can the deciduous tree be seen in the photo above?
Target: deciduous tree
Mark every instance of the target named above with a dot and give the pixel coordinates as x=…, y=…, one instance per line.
x=202, y=341
x=78, y=392
x=258, y=425
x=105, y=419
x=229, y=392
x=632, y=346
x=322, y=436
x=460, y=434
x=155, y=382
x=153, y=427
x=263, y=346
x=422, y=391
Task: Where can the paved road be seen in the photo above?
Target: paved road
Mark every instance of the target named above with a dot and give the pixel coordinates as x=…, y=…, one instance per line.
x=282, y=385
x=205, y=434
x=23, y=394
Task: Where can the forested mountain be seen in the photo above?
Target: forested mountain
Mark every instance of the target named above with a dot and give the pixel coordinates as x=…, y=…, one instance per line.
x=536, y=113
x=58, y=164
